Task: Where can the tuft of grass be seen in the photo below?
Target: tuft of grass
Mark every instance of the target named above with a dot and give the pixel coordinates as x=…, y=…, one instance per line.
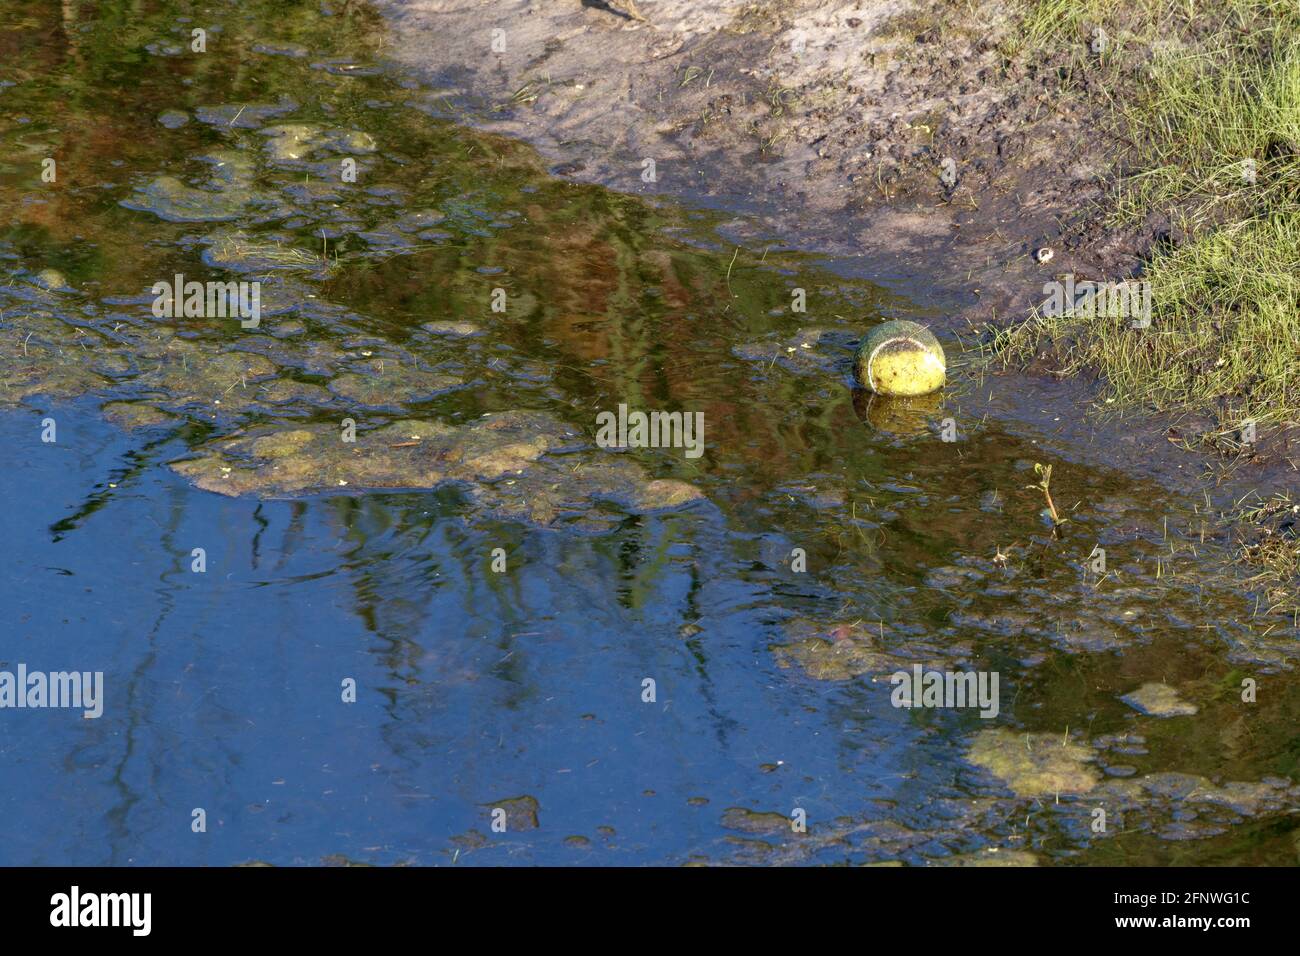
x=1225, y=329
x=781, y=98
x=1268, y=540
x=1216, y=86
x=910, y=24
x=1048, y=22
x=1221, y=131
x=241, y=247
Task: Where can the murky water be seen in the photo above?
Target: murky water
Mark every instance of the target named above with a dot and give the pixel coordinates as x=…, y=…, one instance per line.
x=822, y=541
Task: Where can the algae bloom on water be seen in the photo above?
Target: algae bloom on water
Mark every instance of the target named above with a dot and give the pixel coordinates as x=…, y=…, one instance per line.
x=900, y=358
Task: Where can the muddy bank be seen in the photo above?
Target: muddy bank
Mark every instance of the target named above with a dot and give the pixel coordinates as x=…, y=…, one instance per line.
x=830, y=122
x=827, y=127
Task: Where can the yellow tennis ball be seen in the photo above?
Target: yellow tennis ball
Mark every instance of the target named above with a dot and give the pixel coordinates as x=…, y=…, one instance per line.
x=901, y=358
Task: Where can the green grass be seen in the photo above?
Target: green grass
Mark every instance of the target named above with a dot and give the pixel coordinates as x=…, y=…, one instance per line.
x=1048, y=22
x=1200, y=87
x=1225, y=329
x=1051, y=22
x=1206, y=113
x=1268, y=543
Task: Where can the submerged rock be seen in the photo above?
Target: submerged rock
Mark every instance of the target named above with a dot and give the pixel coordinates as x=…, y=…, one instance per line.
x=381, y=383
x=228, y=193
x=1158, y=700
x=502, y=457
x=1183, y=806
x=283, y=391
x=170, y=199
x=243, y=115
x=294, y=50
x=753, y=821
x=41, y=355
x=1034, y=765
x=808, y=351
x=51, y=279
x=843, y=651
x=1247, y=798
x=521, y=812
x=290, y=143
x=823, y=659
x=453, y=329
x=173, y=119
x=132, y=415
x=993, y=856
x=188, y=375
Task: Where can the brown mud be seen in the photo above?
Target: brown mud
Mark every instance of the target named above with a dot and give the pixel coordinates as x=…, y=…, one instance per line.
x=826, y=121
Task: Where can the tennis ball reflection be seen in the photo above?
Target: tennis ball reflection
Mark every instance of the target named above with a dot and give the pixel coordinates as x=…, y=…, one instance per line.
x=905, y=417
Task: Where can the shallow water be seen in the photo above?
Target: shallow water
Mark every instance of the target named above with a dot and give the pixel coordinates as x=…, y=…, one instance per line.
x=523, y=689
